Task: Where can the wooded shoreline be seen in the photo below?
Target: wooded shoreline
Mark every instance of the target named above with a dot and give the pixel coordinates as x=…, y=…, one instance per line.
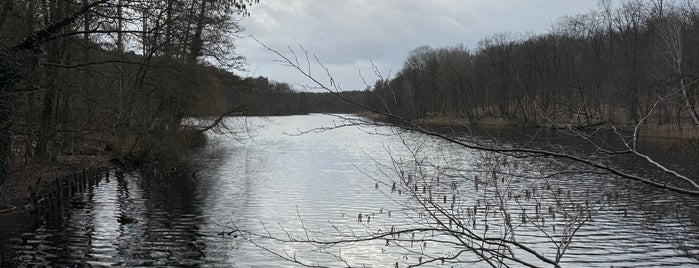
x=678, y=151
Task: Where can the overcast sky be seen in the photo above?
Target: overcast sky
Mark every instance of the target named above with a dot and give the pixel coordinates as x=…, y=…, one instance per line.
x=348, y=34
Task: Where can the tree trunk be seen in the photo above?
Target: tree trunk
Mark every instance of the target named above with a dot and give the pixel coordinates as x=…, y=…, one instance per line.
x=689, y=102
x=167, y=45
x=48, y=121
x=5, y=136
x=46, y=129
x=120, y=25
x=197, y=42
x=145, y=39
x=8, y=76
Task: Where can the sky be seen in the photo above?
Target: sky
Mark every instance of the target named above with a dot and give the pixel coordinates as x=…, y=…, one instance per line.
x=347, y=36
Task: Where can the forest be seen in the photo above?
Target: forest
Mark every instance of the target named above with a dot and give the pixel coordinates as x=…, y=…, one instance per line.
x=260, y=96
x=618, y=65
x=85, y=80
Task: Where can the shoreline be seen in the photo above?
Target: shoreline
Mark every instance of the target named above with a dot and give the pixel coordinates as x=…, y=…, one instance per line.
x=30, y=190
x=677, y=151
x=650, y=131
x=37, y=195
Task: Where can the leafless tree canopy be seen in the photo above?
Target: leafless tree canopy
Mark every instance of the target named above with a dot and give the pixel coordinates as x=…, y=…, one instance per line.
x=79, y=76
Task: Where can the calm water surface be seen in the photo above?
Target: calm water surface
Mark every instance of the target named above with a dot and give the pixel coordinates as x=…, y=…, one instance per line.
x=278, y=183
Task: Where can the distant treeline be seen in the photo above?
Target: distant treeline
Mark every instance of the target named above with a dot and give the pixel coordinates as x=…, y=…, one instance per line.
x=261, y=96
x=622, y=63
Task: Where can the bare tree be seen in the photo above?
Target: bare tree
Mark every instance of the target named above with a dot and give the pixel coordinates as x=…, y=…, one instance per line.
x=671, y=32
x=92, y=74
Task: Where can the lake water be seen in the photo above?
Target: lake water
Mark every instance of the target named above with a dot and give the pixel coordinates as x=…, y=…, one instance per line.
x=315, y=186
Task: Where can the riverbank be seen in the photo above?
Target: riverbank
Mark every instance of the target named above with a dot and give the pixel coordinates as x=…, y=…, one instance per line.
x=672, y=147
x=160, y=152
x=33, y=200
x=649, y=130
x=26, y=179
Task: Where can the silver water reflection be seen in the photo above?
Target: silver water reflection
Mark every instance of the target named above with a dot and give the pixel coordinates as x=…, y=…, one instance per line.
x=274, y=181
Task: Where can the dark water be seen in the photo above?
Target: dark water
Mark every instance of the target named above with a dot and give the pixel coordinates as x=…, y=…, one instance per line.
x=287, y=185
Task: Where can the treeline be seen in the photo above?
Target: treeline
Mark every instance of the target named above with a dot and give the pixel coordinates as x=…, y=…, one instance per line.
x=619, y=64
x=261, y=96
x=79, y=77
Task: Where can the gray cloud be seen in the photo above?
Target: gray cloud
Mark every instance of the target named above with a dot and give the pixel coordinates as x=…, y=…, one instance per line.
x=347, y=35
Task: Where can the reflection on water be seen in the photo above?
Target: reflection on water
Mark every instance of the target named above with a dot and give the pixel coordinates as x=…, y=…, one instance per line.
x=274, y=181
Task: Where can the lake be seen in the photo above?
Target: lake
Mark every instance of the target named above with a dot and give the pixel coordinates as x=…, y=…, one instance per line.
x=273, y=182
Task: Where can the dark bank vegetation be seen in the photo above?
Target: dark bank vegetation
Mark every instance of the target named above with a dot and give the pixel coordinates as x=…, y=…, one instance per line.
x=261, y=96
x=622, y=64
x=86, y=81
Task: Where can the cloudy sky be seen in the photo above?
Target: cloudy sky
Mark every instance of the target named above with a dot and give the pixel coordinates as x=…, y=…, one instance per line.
x=347, y=35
